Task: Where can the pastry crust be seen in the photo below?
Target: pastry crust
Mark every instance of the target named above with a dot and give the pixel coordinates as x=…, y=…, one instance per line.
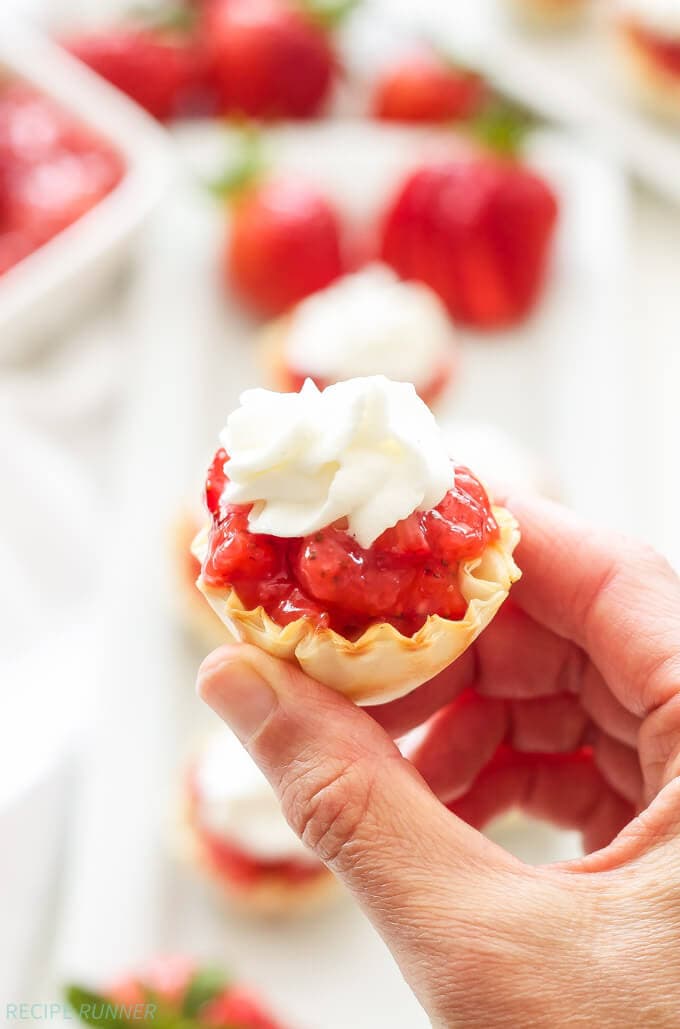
x=277, y=375
x=656, y=87
x=382, y=664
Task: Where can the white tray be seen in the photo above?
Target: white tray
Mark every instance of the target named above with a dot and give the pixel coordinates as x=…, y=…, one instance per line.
x=69, y=271
x=550, y=383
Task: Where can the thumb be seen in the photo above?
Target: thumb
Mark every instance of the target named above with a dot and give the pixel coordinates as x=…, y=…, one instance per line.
x=420, y=873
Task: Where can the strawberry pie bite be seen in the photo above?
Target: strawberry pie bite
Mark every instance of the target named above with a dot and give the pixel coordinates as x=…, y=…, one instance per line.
x=368, y=323
x=648, y=33
x=241, y=840
x=344, y=538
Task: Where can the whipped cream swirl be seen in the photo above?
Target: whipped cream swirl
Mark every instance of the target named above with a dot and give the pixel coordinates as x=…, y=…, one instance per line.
x=367, y=450
x=236, y=803
x=367, y=324
x=659, y=16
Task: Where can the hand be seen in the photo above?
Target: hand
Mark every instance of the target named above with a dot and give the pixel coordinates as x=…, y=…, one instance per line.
x=568, y=706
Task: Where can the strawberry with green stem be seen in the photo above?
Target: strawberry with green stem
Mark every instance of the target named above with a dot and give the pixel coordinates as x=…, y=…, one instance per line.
x=271, y=58
x=284, y=237
x=172, y=993
x=153, y=58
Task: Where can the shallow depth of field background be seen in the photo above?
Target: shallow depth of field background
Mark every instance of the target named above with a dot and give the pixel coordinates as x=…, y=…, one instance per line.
x=108, y=426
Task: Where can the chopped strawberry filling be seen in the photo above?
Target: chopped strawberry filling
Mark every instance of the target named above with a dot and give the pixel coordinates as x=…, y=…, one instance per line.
x=410, y=572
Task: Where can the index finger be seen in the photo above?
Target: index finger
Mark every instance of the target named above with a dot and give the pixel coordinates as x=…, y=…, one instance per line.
x=615, y=598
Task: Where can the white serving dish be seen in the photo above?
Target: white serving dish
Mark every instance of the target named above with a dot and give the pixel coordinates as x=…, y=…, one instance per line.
x=69, y=272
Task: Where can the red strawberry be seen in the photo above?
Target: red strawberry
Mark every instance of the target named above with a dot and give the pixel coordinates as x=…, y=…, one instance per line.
x=424, y=88
x=284, y=244
x=268, y=59
x=160, y=71
x=477, y=231
x=236, y=1007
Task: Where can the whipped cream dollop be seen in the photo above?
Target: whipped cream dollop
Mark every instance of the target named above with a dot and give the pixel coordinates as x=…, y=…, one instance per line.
x=367, y=324
x=368, y=450
x=659, y=16
x=236, y=804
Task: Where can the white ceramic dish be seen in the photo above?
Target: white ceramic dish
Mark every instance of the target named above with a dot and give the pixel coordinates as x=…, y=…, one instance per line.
x=52, y=284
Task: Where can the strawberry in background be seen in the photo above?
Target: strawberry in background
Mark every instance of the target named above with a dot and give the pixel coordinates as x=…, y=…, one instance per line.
x=268, y=58
x=479, y=232
x=284, y=237
x=283, y=244
x=161, y=69
x=425, y=87
x=175, y=993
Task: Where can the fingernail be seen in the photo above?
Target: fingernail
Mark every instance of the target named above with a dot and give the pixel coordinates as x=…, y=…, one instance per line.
x=237, y=693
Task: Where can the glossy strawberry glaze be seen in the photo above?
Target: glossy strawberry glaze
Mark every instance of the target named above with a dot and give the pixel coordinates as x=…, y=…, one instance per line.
x=409, y=573
x=240, y=869
x=666, y=52
x=52, y=171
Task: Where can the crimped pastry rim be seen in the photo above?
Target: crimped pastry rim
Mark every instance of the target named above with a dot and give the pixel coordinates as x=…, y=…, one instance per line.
x=382, y=664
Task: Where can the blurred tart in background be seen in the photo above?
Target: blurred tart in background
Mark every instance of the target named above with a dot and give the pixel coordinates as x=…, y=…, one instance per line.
x=368, y=323
x=550, y=13
x=344, y=539
x=240, y=839
x=648, y=35
x=201, y=621
x=172, y=991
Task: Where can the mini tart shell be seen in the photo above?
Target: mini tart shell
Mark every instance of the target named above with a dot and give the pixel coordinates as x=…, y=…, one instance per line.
x=382, y=664
x=655, y=86
x=277, y=375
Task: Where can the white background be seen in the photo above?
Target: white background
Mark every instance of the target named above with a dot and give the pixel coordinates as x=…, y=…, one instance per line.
x=94, y=401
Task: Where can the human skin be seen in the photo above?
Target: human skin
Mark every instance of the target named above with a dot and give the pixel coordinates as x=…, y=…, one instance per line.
x=568, y=706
